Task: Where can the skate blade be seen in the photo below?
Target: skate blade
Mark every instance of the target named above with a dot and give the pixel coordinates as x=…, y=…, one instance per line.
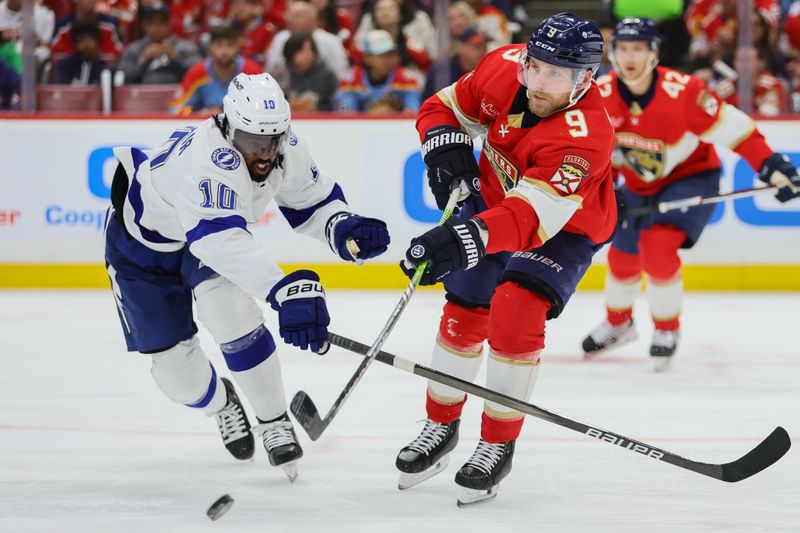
x=625, y=339
x=662, y=364
x=471, y=496
x=409, y=480
x=290, y=469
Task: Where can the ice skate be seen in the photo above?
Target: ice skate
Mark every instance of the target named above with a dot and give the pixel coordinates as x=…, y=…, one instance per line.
x=428, y=454
x=606, y=336
x=280, y=441
x=234, y=427
x=662, y=349
x=481, y=474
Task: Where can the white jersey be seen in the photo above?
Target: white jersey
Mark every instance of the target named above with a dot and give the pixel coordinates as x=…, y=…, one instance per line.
x=196, y=190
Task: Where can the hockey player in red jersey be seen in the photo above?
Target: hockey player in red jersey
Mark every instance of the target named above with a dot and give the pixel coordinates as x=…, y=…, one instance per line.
x=540, y=204
x=665, y=125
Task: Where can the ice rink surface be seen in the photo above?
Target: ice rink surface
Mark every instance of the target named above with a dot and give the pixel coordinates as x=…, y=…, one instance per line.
x=88, y=443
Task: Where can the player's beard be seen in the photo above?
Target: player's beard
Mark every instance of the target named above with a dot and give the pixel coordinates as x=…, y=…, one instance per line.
x=260, y=169
x=543, y=104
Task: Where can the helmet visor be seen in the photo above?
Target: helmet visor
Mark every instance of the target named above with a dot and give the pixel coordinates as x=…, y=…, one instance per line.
x=542, y=77
x=250, y=143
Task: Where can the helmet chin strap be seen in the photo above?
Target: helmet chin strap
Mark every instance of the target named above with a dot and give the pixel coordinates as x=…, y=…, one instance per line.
x=651, y=64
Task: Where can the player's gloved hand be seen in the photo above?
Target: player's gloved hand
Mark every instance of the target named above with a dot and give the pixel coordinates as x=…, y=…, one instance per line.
x=779, y=172
x=303, y=316
x=455, y=245
x=370, y=236
x=447, y=152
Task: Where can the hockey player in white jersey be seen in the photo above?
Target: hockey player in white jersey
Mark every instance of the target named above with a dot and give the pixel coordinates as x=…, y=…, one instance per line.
x=178, y=230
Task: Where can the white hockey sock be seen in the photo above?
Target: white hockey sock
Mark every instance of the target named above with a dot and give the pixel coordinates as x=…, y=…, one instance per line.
x=620, y=294
x=463, y=365
x=665, y=298
x=186, y=376
x=513, y=377
x=262, y=385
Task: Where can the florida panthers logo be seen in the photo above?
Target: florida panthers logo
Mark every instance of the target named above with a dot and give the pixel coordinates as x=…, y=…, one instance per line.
x=646, y=157
x=226, y=159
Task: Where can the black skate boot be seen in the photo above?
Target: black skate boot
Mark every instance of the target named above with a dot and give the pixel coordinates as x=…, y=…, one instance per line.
x=482, y=473
x=234, y=427
x=428, y=454
x=281, y=443
x=606, y=336
x=663, y=347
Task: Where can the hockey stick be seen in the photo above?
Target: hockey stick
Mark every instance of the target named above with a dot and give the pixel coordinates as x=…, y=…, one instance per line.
x=765, y=454
x=303, y=407
x=685, y=203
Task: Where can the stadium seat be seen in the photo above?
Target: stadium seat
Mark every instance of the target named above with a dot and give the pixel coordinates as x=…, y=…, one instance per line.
x=66, y=98
x=144, y=98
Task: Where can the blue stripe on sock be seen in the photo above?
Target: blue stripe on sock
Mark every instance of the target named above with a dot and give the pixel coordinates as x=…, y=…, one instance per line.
x=212, y=388
x=249, y=351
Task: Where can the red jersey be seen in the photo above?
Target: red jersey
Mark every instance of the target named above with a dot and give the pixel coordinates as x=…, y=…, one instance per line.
x=188, y=18
x=110, y=44
x=122, y=10
x=709, y=16
x=768, y=94
x=666, y=134
x=256, y=38
x=539, y=175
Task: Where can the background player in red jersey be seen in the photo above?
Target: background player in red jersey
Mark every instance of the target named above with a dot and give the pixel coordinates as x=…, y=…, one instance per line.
x=541, y=204
x=665, y=123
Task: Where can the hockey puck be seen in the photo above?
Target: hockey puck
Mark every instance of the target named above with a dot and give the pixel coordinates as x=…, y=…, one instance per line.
x=220, y=507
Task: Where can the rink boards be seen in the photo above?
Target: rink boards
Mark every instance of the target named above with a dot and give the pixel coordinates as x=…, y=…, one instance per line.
x=56, y=184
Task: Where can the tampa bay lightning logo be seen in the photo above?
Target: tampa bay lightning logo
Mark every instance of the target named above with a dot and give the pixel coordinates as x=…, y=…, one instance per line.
x=417, y=251
x=314, y=174
x=226, y=159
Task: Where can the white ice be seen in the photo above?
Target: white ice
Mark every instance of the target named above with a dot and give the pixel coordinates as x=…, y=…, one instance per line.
x=88, y=443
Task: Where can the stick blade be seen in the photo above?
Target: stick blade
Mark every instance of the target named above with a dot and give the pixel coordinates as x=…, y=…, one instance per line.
x=762, y=456
x=306, y=413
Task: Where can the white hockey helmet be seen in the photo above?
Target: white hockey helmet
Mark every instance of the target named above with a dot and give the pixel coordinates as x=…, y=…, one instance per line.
x=256, y=109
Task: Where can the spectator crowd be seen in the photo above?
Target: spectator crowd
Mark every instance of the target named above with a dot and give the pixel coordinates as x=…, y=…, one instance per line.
x=372, y=56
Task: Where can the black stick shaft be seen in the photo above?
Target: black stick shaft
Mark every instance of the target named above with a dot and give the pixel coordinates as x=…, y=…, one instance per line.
x=765, y=454
x=302, y=404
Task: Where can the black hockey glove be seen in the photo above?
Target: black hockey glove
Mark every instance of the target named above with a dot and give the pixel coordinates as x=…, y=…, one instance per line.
x=447, y=152
x=456, y=245
x=779, y=172
x=370, y=236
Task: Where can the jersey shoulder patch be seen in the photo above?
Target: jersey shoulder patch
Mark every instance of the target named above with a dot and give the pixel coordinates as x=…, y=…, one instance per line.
x=226, y=158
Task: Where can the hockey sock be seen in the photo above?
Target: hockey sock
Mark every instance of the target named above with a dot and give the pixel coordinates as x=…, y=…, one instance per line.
x=623, y=281
x=659, y=245
x=513, y=364
x=186, y=376
x=458, y=350
x=257, y=370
